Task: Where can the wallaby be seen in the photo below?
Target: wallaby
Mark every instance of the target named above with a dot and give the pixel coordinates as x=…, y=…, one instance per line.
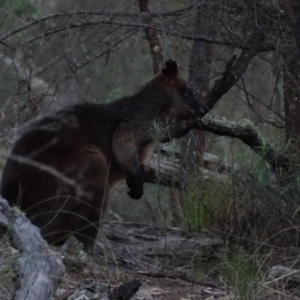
x=61, y=170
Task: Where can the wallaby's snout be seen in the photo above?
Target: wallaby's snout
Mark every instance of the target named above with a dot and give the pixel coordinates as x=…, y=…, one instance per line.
x=194, y=109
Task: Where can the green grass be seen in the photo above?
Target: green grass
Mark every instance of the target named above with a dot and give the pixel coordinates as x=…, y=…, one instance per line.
x=241, y=272
x=203, y=204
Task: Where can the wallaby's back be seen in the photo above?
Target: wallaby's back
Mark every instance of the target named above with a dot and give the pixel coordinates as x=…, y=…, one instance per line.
x=59, y=167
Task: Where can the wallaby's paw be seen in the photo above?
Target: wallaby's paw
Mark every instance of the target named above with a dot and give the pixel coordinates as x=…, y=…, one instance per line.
x=135, y=193
x=129, y=182
x=135, y=185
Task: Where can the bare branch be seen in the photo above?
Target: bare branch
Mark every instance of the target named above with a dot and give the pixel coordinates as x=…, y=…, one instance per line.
x=235, y=68
x=249, y=135
x=256, y=47
x=242, y=130
x=106, y=13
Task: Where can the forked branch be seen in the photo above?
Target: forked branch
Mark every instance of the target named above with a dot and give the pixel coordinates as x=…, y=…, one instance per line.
x=242, y=130
x=234, y=70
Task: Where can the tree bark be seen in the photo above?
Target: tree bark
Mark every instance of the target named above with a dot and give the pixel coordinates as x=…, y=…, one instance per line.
x=152, y=37
x=199, y=69
x=291, y=73
x=193, y=144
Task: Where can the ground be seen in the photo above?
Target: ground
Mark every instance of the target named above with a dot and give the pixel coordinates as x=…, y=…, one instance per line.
x=162, y=259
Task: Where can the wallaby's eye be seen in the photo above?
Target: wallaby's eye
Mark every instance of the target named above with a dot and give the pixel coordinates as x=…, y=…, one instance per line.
x=185, y=93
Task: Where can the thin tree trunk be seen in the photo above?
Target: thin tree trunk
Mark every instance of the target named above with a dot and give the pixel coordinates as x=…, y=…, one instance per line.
x=199, y=67
x=152, y=37
x=290, y=75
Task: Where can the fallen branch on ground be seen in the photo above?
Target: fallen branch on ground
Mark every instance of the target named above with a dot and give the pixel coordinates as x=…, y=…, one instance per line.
x=164, y=168
x=40, y=267
x=179, y=276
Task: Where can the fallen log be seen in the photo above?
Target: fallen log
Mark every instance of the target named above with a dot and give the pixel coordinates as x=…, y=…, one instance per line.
x=40, y=268
x=165, y=169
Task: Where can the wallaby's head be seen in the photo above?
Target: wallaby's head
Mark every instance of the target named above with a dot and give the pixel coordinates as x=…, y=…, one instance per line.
x=182, y=104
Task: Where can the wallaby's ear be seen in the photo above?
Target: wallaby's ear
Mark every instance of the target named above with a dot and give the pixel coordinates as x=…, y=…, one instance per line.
x=170, y=68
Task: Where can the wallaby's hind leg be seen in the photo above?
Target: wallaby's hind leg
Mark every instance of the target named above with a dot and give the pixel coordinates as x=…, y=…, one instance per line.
x=51, y=213
x=86, y=234
x=91, y=216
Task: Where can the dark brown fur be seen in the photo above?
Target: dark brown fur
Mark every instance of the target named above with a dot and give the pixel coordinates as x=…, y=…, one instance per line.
x=95, y=146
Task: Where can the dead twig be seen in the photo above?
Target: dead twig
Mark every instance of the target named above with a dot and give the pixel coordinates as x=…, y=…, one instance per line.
x=257, y=47
x=178, y=276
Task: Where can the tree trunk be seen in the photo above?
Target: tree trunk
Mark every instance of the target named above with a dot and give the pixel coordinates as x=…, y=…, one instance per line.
x=193, y=144
x=290, y=76
x=152, y=37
